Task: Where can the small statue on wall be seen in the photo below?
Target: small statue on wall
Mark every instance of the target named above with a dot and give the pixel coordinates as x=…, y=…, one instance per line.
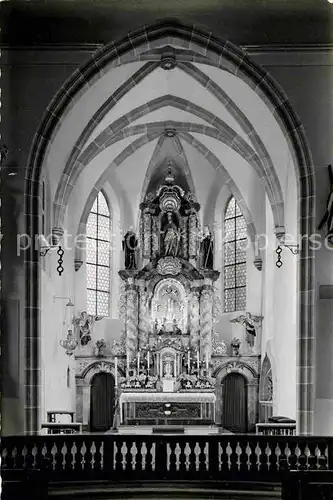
x=207, y=249
x=328, y=216
x=250, y=323
x=129, y=244
x=85, y=322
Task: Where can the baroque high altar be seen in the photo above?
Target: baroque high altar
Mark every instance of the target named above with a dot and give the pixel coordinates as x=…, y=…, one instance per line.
x=168, y=308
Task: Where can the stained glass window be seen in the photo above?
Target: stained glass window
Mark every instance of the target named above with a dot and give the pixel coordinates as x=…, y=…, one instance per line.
x=98, y=257
x=235, y=240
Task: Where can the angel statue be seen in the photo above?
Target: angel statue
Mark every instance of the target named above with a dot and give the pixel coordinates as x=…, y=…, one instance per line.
x=328, y=216
x=250, y=323
x=85, y=322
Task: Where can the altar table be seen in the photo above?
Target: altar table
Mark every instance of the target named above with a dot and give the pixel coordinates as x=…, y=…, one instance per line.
x=162, y=407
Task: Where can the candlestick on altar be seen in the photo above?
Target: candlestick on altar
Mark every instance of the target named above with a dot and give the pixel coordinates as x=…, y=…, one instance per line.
x=188, y=360
x=198, y=360
x=116, y=372
x=138, y=365
x=148, y=361
x=206, y=360
x=127, y=365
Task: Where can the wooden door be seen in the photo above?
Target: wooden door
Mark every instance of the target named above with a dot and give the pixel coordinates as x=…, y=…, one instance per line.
x=101, y=402
x=234, y=408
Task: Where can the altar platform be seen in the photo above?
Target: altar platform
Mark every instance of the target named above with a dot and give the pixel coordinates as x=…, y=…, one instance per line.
x=167, y=408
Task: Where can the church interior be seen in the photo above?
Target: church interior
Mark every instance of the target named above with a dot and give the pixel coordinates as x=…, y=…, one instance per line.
x=167, y=219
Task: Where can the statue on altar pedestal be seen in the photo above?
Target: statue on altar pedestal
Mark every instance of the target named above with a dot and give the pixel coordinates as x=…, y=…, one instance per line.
x=85, y=323
x=129, y=244
x=175, y=329
x=171, y=238
x=207, y=249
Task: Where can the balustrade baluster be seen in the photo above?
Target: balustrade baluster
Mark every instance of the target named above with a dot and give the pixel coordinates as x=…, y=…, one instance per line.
x=88, y=468
x=98, y=457
x=78, y=457
x=149, y=457
x=202, y=457
x=119, y=457
x=233, y=457
x=128, y=458
x=182, y=458
x=322, y=459
x=68, y=456
x=312, y=458
x=138, y=458
x=243, y=458
x=263, y=458
x=58, y=457
x=172, y=458
x=273, y=459
x=253, y=458
x=224, y=458
x=192, y=458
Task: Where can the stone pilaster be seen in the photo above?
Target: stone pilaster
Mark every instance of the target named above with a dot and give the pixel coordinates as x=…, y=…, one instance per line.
x=185, y=237
x=155, y=237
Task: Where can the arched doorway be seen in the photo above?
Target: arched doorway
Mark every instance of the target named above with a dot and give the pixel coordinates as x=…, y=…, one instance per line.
x=101, y=402
x=234, y=412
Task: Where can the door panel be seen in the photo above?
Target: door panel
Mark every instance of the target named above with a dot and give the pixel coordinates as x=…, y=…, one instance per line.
x=234, y=410
x=101, y=402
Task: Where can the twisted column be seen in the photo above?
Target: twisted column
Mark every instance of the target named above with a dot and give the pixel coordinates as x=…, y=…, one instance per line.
x=132, y=324
x=194, y=320
x=192, y=244
x=185, y=236
x=206, y=322
x=155, y=237
x=143, y=320
x=146, y=235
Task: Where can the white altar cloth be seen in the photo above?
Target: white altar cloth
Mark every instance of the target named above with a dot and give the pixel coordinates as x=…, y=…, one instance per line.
x=165, y=397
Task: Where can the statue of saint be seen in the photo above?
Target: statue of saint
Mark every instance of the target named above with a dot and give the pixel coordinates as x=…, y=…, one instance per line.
x=85, y=322
x=250, y=322
x=175, y=328
x=207, y=250
x=130, y=243
x=171, y=238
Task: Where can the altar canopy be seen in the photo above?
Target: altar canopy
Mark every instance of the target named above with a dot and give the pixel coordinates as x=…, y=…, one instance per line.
x=168, y=298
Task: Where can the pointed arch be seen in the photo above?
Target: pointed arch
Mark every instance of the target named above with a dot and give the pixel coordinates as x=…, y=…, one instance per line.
x=224, y=55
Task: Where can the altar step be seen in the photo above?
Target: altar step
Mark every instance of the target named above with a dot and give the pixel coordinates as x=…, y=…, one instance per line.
x=156, y=491
x=188, y=430
x=169, y=421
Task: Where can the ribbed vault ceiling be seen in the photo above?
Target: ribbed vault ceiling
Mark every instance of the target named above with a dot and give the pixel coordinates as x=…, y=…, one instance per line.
x=138, y=116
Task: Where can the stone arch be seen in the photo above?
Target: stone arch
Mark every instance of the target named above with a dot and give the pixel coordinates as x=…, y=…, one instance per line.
x=251, y=376
x=223, y=54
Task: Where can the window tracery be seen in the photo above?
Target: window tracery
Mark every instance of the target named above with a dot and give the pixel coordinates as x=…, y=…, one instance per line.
x=98, y=257
x=235, y=239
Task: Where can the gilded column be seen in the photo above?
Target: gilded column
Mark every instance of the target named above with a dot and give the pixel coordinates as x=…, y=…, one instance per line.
x=146, y=235
x=143, y=320
x=194, y=320
x=132, y=324
x=192, y=244
x=206, y=322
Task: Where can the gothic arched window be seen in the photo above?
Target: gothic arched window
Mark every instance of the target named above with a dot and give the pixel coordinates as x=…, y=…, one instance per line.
x=235, y=239
x=98, y=257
